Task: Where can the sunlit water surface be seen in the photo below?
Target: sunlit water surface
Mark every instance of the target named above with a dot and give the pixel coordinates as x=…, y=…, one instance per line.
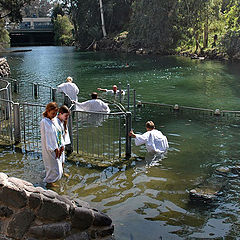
x=148, y=199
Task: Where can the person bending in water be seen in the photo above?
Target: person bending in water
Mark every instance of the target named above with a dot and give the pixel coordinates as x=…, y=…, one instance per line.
x=154, y=140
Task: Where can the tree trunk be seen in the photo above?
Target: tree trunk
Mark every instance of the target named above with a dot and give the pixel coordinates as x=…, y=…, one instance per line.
x=102, y=19
x=205, y=35
x=197, y=43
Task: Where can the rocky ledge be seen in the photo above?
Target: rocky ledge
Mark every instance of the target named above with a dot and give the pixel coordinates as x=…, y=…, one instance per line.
x=4, y=68
x=31, y=213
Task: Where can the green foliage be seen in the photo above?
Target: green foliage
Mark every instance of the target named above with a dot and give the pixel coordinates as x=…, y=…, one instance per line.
x=37, y=8
x=87, y=22
x=231, y=44
x=63, y=31
x=12, y=9
x=57, y=10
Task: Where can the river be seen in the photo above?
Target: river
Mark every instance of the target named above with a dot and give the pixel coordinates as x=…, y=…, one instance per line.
x=147, y=200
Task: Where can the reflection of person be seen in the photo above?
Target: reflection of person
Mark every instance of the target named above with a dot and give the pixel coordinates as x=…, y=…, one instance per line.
x=51, y=145
x=154, y=140
x=114, y=90
x=93, y=105
x=69, y=88
x=60, y=123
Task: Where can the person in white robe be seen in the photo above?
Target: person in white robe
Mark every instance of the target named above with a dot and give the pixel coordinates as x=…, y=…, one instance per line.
x=60, y=123
x=69, y=88
x=93, y=105
x=51, y=143
x=154, y=140
x=113, y=91
x=96, y=106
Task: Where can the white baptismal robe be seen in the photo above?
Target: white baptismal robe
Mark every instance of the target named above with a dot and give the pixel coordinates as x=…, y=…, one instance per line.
x=93, y=105
x=69, y=89
x=49, y=142
x=110, y=91
x=65, y=138
x=154, y=140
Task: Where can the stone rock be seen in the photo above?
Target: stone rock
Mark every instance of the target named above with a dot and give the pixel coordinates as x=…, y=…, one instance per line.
x=49, y=193
x=5, y=211
x=20, y=224
x=13, y=197
x=64, y=199
x=82, y=218
x=81, y=203
x=18, y=182
x=53, y=210
x=101, y=219
x=203, y=195
x=51, y=231
x=34, y=200
x=79, y=236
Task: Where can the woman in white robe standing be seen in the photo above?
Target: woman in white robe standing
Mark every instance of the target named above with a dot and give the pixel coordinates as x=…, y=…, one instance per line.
x=154, y=140
x=61, y=124
x=51, y=145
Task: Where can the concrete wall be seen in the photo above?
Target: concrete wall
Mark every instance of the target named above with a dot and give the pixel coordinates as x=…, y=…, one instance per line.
x=4, y=68
x=30, y=213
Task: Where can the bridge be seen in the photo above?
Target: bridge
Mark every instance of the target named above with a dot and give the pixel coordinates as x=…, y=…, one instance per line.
x=32, y=32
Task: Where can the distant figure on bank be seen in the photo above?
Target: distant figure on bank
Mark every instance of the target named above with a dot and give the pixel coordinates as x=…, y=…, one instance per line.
x=60, y=123
x=154, y=140
x=112, y=91
x=50, y=140
x=93, y=105
x=69, y=88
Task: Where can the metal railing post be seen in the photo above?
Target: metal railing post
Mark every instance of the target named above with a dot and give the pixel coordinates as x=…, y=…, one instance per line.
x=128, y=129
x=134, y=104
x=7, y=108
x=15, y=86
x=67, y=101
x=54, y=90
x=17, y=123
x=35, y=90
x=120, y=92
x=69, y=147
x=128, y=93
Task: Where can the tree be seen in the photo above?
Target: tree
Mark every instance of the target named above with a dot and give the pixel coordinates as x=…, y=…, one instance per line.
x=63, y=30
x=37, y=8
x=12, y=9
x=57, y=10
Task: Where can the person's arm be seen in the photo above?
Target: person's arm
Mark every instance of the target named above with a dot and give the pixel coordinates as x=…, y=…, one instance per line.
x=132, y=134
x=102, y=89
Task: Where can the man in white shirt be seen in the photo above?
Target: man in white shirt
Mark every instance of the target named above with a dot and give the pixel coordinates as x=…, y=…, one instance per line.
x=154, y=140
x=113, y=91
x=69, y=88
x=93, y=105
x=96, y=106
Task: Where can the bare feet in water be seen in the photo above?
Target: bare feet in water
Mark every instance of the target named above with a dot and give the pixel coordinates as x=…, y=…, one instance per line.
x=66, y=175
x=50, y=185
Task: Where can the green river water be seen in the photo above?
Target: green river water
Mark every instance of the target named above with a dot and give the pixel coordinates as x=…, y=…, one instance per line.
x=147, y=200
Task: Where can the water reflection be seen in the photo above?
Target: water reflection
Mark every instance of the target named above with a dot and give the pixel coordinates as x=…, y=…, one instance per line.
x=147, y=198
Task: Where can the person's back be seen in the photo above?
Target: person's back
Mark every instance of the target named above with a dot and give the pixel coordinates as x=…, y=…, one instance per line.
x=69, y=88
x=93, y=105
x=156, y=142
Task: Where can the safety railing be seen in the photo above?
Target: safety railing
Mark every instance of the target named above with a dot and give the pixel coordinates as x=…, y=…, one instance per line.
x=101, y=135
x=6, y=116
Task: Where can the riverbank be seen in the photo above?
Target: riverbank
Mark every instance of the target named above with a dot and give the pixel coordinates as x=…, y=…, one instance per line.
x=119, y=44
